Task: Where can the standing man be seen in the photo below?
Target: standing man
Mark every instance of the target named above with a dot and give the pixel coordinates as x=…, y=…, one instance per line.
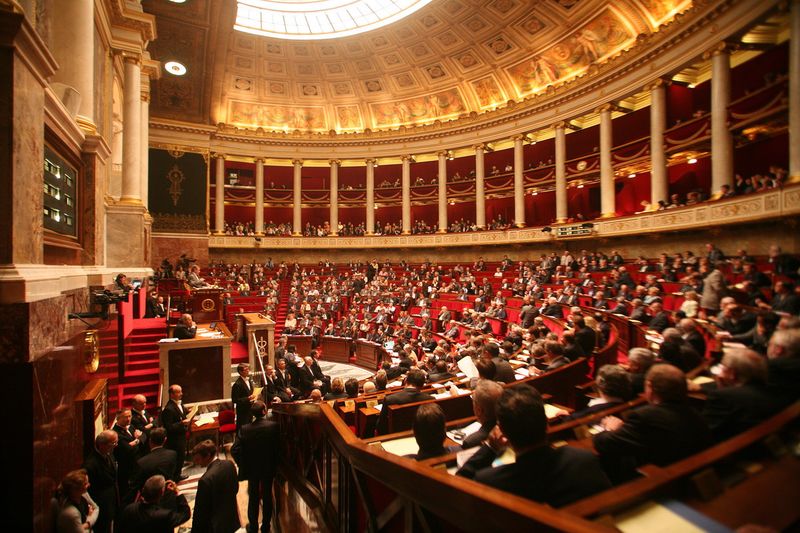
x=242, y=395
x=127, y=451
x=102, y=470
x=215, y=508
x=141, y=421
x=173, y=418
x=257, y=455
x=160, y=461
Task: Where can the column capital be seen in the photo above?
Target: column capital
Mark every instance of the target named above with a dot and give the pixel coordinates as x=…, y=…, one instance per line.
x=441, y=153
x=519, y=137
x=145, y=95
x=297, y=162
x=479, y=146
x=407, y=158
x=370, y=161
x=657, y=83
x=334, y=162
x=261, y=160
x=719, y=49
x=605, y=108
x=217, y=155
x=129, y=57
x=560, y=125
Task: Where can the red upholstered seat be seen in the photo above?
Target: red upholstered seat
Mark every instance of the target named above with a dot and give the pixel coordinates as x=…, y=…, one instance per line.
x=227, y=423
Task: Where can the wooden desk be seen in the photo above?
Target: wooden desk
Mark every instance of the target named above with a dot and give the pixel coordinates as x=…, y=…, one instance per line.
x=202, y=366
x=263, y=329
x=206, y=431
x=369, y=355
x=336, y=349
x=206, y=305
x=302, y=343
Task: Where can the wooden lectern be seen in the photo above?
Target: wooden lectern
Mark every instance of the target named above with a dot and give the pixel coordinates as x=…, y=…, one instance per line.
x=205, y=305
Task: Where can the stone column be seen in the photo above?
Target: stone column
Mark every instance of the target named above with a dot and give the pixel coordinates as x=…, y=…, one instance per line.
x=370, y=218
x=721, y=137
x=519, y=183
x=219, y=196
x=334, y=193
x=131, y=132
x=561, y=173
x=259, y=196
x=607, y=193
x=72, y=45
x=406, y=184
x=297, y=212
x=145, y=145
x=480, y=193
x=659, y=182
x=442, y=192
x=794, y=92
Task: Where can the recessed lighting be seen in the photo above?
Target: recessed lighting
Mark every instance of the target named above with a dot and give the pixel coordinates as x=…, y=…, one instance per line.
x=175, y=68
x=632, y=175
x=691, y=86
x=177, y=1
x=692, y=161
x=580, y=186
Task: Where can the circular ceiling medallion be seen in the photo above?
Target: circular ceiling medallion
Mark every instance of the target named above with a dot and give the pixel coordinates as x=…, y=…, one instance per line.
x=175, y=68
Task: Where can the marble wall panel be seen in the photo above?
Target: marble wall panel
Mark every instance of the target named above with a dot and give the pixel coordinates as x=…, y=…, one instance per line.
x=171, y=247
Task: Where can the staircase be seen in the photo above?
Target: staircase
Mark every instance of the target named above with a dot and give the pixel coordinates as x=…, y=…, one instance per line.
x=141, y=364
x=284, y=289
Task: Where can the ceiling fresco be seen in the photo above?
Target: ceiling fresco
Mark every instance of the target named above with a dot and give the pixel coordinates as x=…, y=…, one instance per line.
x=449, y=59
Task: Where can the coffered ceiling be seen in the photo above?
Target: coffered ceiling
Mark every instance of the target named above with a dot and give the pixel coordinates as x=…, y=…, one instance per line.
x=449, y=59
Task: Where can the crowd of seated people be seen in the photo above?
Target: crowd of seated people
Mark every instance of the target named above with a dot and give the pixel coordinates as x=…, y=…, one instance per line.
x=240, y=229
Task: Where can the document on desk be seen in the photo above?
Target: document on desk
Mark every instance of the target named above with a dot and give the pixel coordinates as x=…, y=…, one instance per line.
x=467, y=366
x=466, y=430
x=666, y=517
x=551, y=411
x=405, y=446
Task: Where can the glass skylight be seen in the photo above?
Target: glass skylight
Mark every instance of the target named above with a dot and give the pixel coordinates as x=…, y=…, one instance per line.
x=319, y=19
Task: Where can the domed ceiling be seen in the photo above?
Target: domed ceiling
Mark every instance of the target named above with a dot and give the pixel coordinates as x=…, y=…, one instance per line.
x=449, y=59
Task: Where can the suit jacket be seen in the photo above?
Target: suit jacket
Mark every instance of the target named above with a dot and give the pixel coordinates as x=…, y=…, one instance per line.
x=659, y=322
x=215, y=508
x=504, y=371
x=407, y=395
x=695, y=338
x=172, y=420
x=160, y=461
x=653, y=434
x=259, y=450
x=527, y=314
x=784, y=375
x=162, y=517
x=126, y=456
x=306, y=376
x=240, y=396
x=181, y=331
x=586, y=337
x=732, y=410
x=103, y=489
x=553, y=311
x=470, y=441
x=555, y=476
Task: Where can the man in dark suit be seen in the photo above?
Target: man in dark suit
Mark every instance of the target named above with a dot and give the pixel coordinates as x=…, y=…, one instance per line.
x=741, y=399
x=484, y=404
x=127, y=450
x=185, y=328
x=215, y=508
x=692, y=335
x=415, y=380
x=783, y=353
x=552, y=309
x=662, y=432
x=585, y=336
x=160, y=461
x=141, y=420
x=173, y=419
x=527, y=314
x=283, y=380
x=659, y=319
x=308, y=381
x=161, y=510
x=257, y=453
x=504, y=373
x=440, y=372
x=242, y=395
x=554, y=476
x=102, y=470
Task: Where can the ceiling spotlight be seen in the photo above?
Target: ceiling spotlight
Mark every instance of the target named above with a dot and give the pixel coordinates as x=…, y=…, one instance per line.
x=177, y=1
x=691, y=86
x=692, y=161
x=175, y=68
x=632, y=175
x=580, y=186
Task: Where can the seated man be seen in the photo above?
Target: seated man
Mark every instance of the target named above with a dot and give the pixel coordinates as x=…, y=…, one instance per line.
x=742, y=398
x=162, y=508
x=185, y=328
x=662, y=432
x=554, y=476
x=194, y=280
x=613, y=383
x=415, y=380
x=429, y=432
x=783, y=354
x=484, y=404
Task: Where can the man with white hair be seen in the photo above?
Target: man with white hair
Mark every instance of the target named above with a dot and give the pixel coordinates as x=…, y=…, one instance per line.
x=149, y=515
x=783, y=353
x=742, y=398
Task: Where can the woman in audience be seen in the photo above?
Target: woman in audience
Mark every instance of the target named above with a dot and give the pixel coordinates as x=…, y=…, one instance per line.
x=75, y=511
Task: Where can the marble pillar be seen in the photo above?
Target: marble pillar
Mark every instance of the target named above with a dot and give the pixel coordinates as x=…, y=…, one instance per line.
x=442, y=181
x=297, y=198
x=334, y=196
x=659, y=180
x=260, y=196
x=519, y=182
x=219, y=196
x=561, y=173
x=480, y=191
x=72, y=44
x=144, y=165
x=406, y=184
x=721, y=137
x=131, y=132
x=607, y=192
x=794, y=92
x=370, y=211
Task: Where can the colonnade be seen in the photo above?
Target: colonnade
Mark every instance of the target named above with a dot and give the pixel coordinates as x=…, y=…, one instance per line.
x=722, y=172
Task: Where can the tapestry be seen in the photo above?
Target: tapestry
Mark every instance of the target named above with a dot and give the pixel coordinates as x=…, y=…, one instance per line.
x=177, y=191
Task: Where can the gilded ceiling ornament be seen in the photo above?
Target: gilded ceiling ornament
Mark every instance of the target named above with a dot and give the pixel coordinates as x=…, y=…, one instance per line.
x=175, y=177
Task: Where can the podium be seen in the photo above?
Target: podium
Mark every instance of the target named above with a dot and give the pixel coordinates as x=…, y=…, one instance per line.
x=202, y=366
x=259, y=331
x=205, y=305
x=370, y=355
